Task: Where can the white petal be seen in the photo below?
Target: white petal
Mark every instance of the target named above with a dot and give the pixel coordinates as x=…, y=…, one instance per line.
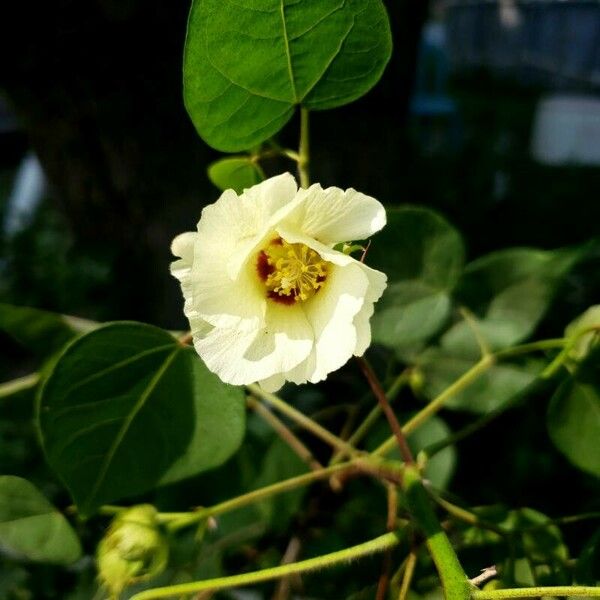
x=241, y=357
x=334, y=215
x=233, y=220
x=224, y=302
x=377, y=285
x=183, y=246
x=331, y=313
x=273, y=383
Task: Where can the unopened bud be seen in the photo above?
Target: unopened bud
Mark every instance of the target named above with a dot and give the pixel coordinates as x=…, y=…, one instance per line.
x=133, y=549
x=416, y=380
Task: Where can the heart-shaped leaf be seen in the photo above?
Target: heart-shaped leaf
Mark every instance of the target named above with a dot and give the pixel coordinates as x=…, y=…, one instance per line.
x=127, y=408
x=248, y=64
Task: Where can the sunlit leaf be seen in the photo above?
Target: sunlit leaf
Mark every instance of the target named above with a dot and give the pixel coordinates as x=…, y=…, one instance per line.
x=31, y=528
x=248, y=64
x=422, y=256
x=509, y=292
x=126, y=408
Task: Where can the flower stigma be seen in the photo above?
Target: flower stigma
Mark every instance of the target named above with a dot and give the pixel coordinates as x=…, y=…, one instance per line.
x=291, y=272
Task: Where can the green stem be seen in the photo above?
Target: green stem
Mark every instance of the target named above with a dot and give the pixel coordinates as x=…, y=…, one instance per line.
x=536, y=592
x=409, y=571
x=187, y=519
x=467, y=430
x=437, y=403
x=570, y=343
x=452, y=577
x=379, y=544
x=19, y=385
x=539, y=346
x=467, y=516
x=302, y=420
x=303, y=153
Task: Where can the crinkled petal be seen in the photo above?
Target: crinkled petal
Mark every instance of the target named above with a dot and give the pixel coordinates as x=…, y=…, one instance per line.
x=333, y=215
x=331, y=313
x=241, y=357
x=224, y=302
x=233, y=219
x=377, y=285
x=183, y=247
x=241, y=334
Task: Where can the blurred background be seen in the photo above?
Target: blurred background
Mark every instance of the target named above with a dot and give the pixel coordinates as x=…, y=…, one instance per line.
x=489, y=112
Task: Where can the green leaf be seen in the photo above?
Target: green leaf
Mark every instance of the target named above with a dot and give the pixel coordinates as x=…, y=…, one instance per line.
x=41, y=331
x=494, y=388
x=542, y=541
x=236, y=173
x=417, y=244
x=422, y=255
x=280, y=463
x=21, y=387
x=248, y=64
x=127, y=408
x=509, y=291
x=31, y=528
x=440, y=468
x=573, y=417
x=587, y=570
x=408, y=314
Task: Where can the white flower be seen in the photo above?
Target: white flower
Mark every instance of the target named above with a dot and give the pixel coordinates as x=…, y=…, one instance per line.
x=267, y=296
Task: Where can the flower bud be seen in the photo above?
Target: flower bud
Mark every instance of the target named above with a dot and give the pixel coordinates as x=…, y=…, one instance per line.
x=133, y=549
x=416, y=380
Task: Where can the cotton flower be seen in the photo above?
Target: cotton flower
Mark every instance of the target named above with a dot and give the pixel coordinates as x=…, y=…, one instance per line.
x=268, y=297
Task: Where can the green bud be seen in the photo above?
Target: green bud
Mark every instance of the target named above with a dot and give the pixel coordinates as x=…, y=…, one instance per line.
x=586, y=322
x=416, y=380
x=133, y=549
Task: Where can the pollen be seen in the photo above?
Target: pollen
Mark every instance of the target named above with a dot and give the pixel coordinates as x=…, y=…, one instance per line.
x=291, y=273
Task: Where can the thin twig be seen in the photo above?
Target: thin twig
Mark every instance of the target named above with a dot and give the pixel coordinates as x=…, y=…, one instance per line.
x=285, y=433
x=379, y=393
x=386, y=566
x=485, y=575
x=290, y=555
x=409, y=571
x=473, y=323
x=302, y=420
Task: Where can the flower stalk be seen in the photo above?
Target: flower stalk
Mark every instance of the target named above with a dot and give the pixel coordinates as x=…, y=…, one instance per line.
x=303, y=153
x=379, y=544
